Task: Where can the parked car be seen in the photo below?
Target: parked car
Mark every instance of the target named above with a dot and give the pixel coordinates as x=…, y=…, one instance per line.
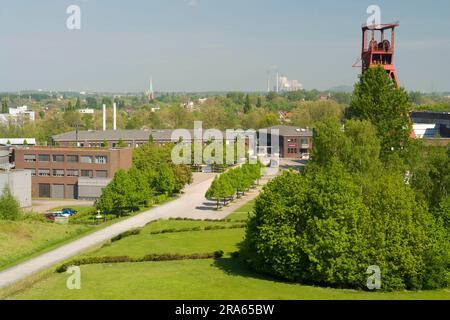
x=50, y=216
x=68, y=211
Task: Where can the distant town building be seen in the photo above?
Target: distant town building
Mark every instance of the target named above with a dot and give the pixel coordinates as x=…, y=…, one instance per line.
x=86, y=111
x=434, y=127
x=17, y=141
x=17, y=114
x=293, y=142
x=188, y=105
x=19, y=183
x=130, y=138
x=72, y=173
x=150, y=93
x=286, y=85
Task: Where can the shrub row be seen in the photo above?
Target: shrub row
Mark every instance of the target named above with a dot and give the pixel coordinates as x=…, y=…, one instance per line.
x=172, y=230
x=148, y=258
x=208, y=220
x=132, y=232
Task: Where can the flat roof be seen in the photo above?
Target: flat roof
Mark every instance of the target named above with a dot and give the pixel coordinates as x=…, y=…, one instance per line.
x=126, y=135
x=292, y=131
x=64, y=149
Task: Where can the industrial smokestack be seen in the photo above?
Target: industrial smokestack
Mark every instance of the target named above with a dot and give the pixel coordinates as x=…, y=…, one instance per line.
x=115, y=116
x=104, y=117
x=278, y=81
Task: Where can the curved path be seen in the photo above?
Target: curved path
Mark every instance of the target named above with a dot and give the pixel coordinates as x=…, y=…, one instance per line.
x=192, y=204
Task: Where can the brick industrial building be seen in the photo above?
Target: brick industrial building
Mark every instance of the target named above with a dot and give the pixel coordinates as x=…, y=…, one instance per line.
x=74, y=173
x=293, y=142
x=130, y=138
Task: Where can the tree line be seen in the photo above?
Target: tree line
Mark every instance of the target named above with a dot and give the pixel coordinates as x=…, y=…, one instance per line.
x=233, y=183
x=152, y=179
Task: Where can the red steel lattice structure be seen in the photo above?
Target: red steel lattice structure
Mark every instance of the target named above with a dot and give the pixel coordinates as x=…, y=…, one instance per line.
x=378, y=50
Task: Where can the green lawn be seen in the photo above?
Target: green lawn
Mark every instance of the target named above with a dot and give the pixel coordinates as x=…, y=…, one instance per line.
x=242, y=212
x=196, y=279
x=21, y=239
x=224, y=278
x=25, y=239
x=178, y=242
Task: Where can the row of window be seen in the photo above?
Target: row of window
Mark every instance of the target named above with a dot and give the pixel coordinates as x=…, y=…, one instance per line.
x=102, y=145
x=66, y=158
x=292, y=150
x=69, y=173
x=302, y=141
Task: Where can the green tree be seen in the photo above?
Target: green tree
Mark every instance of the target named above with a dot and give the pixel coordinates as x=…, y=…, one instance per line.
x=183, y=176
x=259, y=103
x=322, y=228
x=9, y=206
x=220, y=189
x=247, y=105
x=121, y=143
x=140, y=193
x=5, y=108
x=78, y=104
x=376, y=98
x=165, y=180
x=105, y=143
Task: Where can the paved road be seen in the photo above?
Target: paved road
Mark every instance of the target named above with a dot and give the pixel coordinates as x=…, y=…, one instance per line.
x=192, y=204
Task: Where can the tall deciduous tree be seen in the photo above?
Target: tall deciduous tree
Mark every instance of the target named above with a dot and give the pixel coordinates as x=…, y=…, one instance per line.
x=376, y=98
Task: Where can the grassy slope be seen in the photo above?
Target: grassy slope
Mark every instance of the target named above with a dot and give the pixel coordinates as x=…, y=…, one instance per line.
x=20, y=239
x=193, y=279
x=23, y=240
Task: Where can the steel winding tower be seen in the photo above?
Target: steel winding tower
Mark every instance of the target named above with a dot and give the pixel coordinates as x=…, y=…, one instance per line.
x=377, y=50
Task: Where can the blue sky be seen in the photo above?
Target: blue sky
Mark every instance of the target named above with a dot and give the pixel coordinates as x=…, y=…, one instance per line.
x=206, y=45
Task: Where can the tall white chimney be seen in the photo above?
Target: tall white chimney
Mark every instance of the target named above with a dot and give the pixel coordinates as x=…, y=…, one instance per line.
x=115, y=117
x=104, y=117
x=278, y=82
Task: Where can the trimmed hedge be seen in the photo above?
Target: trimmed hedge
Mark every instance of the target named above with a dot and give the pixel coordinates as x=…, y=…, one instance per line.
x=132, y=232
x=148, y=258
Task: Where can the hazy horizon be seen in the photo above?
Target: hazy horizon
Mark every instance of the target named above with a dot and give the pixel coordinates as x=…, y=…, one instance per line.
x=211, y=45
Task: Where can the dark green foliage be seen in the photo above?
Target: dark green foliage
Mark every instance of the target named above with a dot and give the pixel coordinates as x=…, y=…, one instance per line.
x=132, y=232
x=5, y=108
x=376, y=98
x=320, y=228
x=349, y=211
x=247, y=105
x=152, y=179
x=9, y=206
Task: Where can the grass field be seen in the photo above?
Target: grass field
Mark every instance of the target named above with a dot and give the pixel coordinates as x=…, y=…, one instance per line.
x=21, y=239
x=194, y=279
x=224, y=278
x=24, y=239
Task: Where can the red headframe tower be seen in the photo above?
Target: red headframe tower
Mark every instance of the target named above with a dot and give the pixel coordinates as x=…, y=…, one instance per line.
x=378, y=50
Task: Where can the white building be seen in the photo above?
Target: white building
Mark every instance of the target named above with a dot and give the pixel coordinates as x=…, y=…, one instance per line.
x=19, y=183
x=86, y=111
x=15, y=114
x=17, y=141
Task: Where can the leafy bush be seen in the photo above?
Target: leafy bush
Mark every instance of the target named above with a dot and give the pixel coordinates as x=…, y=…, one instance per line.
x=9, y=206
x=323, y=228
